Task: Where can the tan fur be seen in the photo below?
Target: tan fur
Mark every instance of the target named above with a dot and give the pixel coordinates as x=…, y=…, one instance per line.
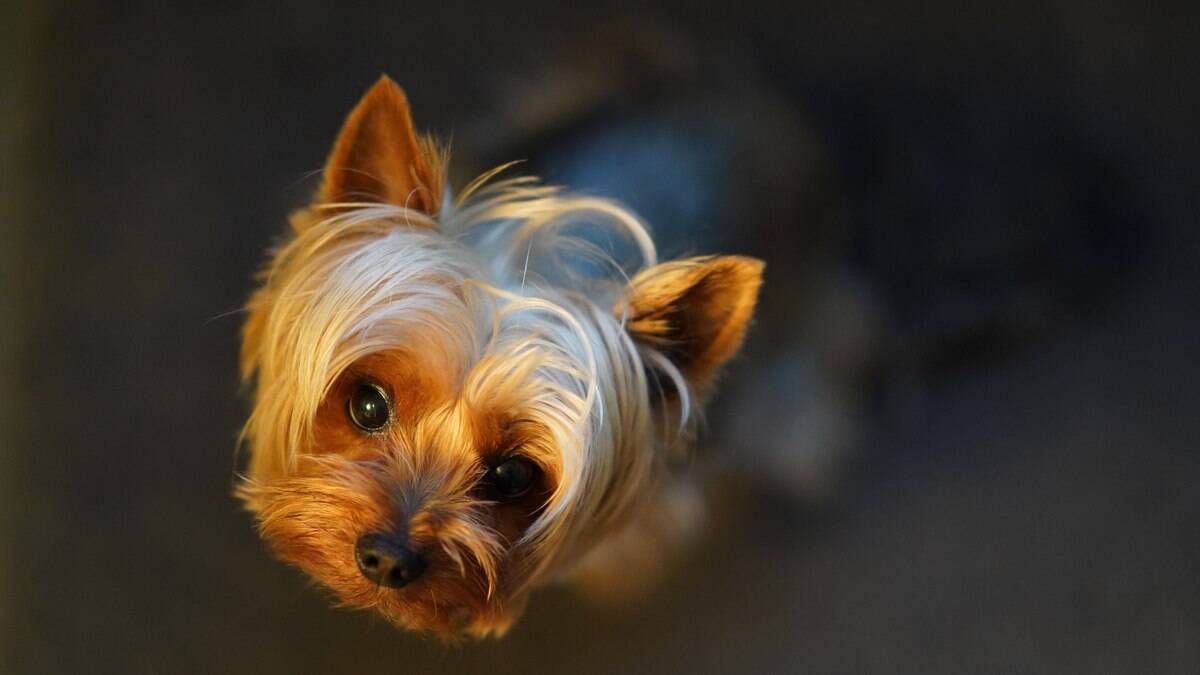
x=379, y=157
x=696, y=310
x=482, y=357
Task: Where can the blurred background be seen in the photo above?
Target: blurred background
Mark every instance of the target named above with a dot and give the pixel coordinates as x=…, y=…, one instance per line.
x=961, y=440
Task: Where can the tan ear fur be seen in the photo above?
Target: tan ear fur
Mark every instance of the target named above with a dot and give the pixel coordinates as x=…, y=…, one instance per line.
x=378, y=156
x=695, y=311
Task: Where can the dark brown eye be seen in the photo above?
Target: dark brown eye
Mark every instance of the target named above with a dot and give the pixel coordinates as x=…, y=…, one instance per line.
x=369, y=408
x=511, y=479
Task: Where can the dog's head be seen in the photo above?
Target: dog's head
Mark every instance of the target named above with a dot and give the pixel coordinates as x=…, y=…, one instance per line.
x=454, y=401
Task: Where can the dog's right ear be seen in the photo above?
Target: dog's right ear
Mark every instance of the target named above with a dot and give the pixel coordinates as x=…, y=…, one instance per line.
x=380, y=158
x=694, y=311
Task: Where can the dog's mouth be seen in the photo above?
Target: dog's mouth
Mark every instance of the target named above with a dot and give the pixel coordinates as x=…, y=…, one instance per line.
x=445, y=601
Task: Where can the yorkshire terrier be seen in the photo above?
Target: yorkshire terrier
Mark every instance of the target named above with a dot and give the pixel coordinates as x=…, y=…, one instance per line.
x=458, y=399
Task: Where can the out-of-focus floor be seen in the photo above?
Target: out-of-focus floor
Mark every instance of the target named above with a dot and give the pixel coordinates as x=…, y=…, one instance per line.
x=1040, y=514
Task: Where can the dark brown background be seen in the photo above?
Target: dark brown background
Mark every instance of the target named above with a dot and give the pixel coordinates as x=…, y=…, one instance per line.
x=1032, y=508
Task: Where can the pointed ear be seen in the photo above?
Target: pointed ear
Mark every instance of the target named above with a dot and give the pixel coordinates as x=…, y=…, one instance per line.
x=378, y=156
x=695, y=311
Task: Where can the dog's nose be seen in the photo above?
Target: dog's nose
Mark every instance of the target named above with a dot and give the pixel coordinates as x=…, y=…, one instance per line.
x=387, y=561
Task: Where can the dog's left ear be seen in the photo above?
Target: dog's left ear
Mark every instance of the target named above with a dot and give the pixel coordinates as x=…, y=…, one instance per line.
x=378, y=156
x=694, y=311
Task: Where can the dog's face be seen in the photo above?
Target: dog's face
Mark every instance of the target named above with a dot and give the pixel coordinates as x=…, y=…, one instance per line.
x=442, y=421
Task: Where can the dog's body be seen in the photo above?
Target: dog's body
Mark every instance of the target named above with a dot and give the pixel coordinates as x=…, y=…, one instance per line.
x=457, y=401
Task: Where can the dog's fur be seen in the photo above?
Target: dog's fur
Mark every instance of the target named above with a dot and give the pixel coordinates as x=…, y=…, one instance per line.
x=498, y=325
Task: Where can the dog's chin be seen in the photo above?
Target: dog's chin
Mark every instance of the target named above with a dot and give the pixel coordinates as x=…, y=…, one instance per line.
x=448, y=621
x=454, y=624
x=452, y=608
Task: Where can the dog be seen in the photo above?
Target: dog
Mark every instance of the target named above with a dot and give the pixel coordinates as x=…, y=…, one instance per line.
x=460, y=398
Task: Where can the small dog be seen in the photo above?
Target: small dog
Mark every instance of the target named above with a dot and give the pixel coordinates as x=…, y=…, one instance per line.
x=458, y=400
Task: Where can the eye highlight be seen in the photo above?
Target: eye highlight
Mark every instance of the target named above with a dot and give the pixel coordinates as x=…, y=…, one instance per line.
x=511, y=479
x=369, y=408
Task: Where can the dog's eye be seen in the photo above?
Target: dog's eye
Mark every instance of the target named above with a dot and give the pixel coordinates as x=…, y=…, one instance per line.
x=511, y=479
x=368, y=408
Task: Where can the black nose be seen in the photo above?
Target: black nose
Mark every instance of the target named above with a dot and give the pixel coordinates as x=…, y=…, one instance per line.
x=387, y=561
